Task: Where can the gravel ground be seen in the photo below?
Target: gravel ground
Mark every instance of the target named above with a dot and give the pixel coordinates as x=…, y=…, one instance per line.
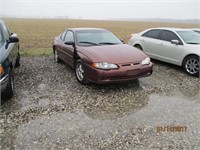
x=51, y=110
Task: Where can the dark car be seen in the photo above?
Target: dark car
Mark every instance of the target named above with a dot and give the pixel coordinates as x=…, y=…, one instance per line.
x=98, y=56
x=9, y=58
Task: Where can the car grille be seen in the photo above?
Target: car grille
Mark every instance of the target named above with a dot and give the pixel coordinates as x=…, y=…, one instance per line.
x=124, y=65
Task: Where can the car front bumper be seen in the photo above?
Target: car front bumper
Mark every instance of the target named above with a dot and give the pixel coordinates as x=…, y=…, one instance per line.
x=3, y=83
x=122, y=74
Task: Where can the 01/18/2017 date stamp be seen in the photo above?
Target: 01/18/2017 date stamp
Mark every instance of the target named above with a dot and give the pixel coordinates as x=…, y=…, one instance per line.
x=177, y=129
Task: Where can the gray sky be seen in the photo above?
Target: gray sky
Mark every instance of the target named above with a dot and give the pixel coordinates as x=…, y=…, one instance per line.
x=102, y=9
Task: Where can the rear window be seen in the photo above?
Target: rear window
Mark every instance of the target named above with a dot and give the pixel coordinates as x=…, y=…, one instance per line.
x=152, y=33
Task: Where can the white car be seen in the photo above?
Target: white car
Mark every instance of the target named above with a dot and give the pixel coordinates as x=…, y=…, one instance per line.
x=196, y=30
x=173, y=45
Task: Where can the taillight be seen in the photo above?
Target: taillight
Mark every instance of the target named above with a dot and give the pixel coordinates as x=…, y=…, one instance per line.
x=130, y=36
x=1, y=69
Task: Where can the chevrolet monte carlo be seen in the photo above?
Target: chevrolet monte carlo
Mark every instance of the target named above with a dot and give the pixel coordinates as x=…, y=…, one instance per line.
x=98, y=56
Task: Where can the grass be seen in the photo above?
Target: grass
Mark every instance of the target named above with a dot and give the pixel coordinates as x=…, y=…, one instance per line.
x=37, y=35
x=36, y=52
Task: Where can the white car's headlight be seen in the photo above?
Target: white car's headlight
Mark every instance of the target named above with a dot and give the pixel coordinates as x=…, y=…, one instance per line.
x=146, y=61
x=104, y=65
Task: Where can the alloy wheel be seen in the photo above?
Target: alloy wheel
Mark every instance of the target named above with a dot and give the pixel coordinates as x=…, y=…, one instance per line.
x=192, y=66
x=79, y=72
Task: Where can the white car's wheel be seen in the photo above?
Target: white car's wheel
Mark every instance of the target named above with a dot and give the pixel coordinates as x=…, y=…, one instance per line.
x=191, y=65
x=139, y=47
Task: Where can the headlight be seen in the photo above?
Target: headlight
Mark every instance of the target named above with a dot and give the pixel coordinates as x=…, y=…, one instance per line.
x=146, y=61
x=104, y=65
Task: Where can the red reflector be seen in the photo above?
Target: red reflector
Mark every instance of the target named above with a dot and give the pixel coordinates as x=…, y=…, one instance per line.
x=130, y=36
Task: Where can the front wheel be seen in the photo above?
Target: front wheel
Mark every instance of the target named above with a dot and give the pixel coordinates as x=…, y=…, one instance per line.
x=79, y=72
x=17, y=64
x=10, y=87
x=191, y=65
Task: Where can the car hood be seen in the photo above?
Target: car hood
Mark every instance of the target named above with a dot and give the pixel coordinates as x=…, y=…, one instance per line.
x=122, y=53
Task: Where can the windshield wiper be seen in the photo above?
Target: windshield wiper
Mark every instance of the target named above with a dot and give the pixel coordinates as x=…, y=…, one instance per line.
x=192, y=43
x=108, y=43
x=88, y=42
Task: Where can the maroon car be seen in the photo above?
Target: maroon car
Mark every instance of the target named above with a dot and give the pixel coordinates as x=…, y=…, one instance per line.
x=98, y=56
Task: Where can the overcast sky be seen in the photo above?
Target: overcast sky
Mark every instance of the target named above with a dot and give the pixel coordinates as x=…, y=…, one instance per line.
x=102, y=9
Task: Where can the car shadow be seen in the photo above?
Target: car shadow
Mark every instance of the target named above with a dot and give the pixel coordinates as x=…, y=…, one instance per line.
x=168, y=65
x=3, y=100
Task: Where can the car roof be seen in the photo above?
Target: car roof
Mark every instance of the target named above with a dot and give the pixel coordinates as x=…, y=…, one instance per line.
x=82, y=29
x=172, y=29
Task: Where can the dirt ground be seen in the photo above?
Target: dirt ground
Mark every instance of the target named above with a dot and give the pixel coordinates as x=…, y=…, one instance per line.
x=51, y=110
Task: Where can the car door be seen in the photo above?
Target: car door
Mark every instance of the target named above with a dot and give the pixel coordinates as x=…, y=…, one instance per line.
x=150, y=41
x=11, y=48
x=68, y=49
x=168, y=51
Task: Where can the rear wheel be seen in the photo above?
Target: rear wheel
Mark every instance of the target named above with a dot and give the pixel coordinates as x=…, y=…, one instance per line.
x=79, y=72
x=56, y=57
x=10, y=87
x=191, y=65
x=138, y=47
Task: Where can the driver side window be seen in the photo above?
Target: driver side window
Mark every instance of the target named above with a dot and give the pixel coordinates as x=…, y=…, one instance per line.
x=168, y=36
x=69, y=37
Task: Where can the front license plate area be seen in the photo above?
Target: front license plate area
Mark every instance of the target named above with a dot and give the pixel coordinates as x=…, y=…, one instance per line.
x=133, y=72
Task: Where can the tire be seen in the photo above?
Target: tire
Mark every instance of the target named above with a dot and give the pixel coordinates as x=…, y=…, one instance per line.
x=79, y=72
x=9, y=92
x=191, y=65
x=17, y=64
x=56, y=57
x=138, y=47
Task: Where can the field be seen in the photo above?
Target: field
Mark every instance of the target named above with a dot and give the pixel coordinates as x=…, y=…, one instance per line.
x=36, y=35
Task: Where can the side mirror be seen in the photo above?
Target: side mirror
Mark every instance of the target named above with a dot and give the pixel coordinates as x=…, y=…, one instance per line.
x=121, y=40
x=13, y=39
x=69, y=43
x=176, y=42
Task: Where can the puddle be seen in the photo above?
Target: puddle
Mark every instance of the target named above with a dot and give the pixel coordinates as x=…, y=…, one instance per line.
x=171, y=109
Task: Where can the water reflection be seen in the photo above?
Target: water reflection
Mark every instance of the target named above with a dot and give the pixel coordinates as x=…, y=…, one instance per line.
x=114, y=101
x=86, y=128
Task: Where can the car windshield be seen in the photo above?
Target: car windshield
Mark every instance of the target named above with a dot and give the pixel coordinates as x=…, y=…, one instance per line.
x=1, y=37
x=190, y=37
x=96, y=37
